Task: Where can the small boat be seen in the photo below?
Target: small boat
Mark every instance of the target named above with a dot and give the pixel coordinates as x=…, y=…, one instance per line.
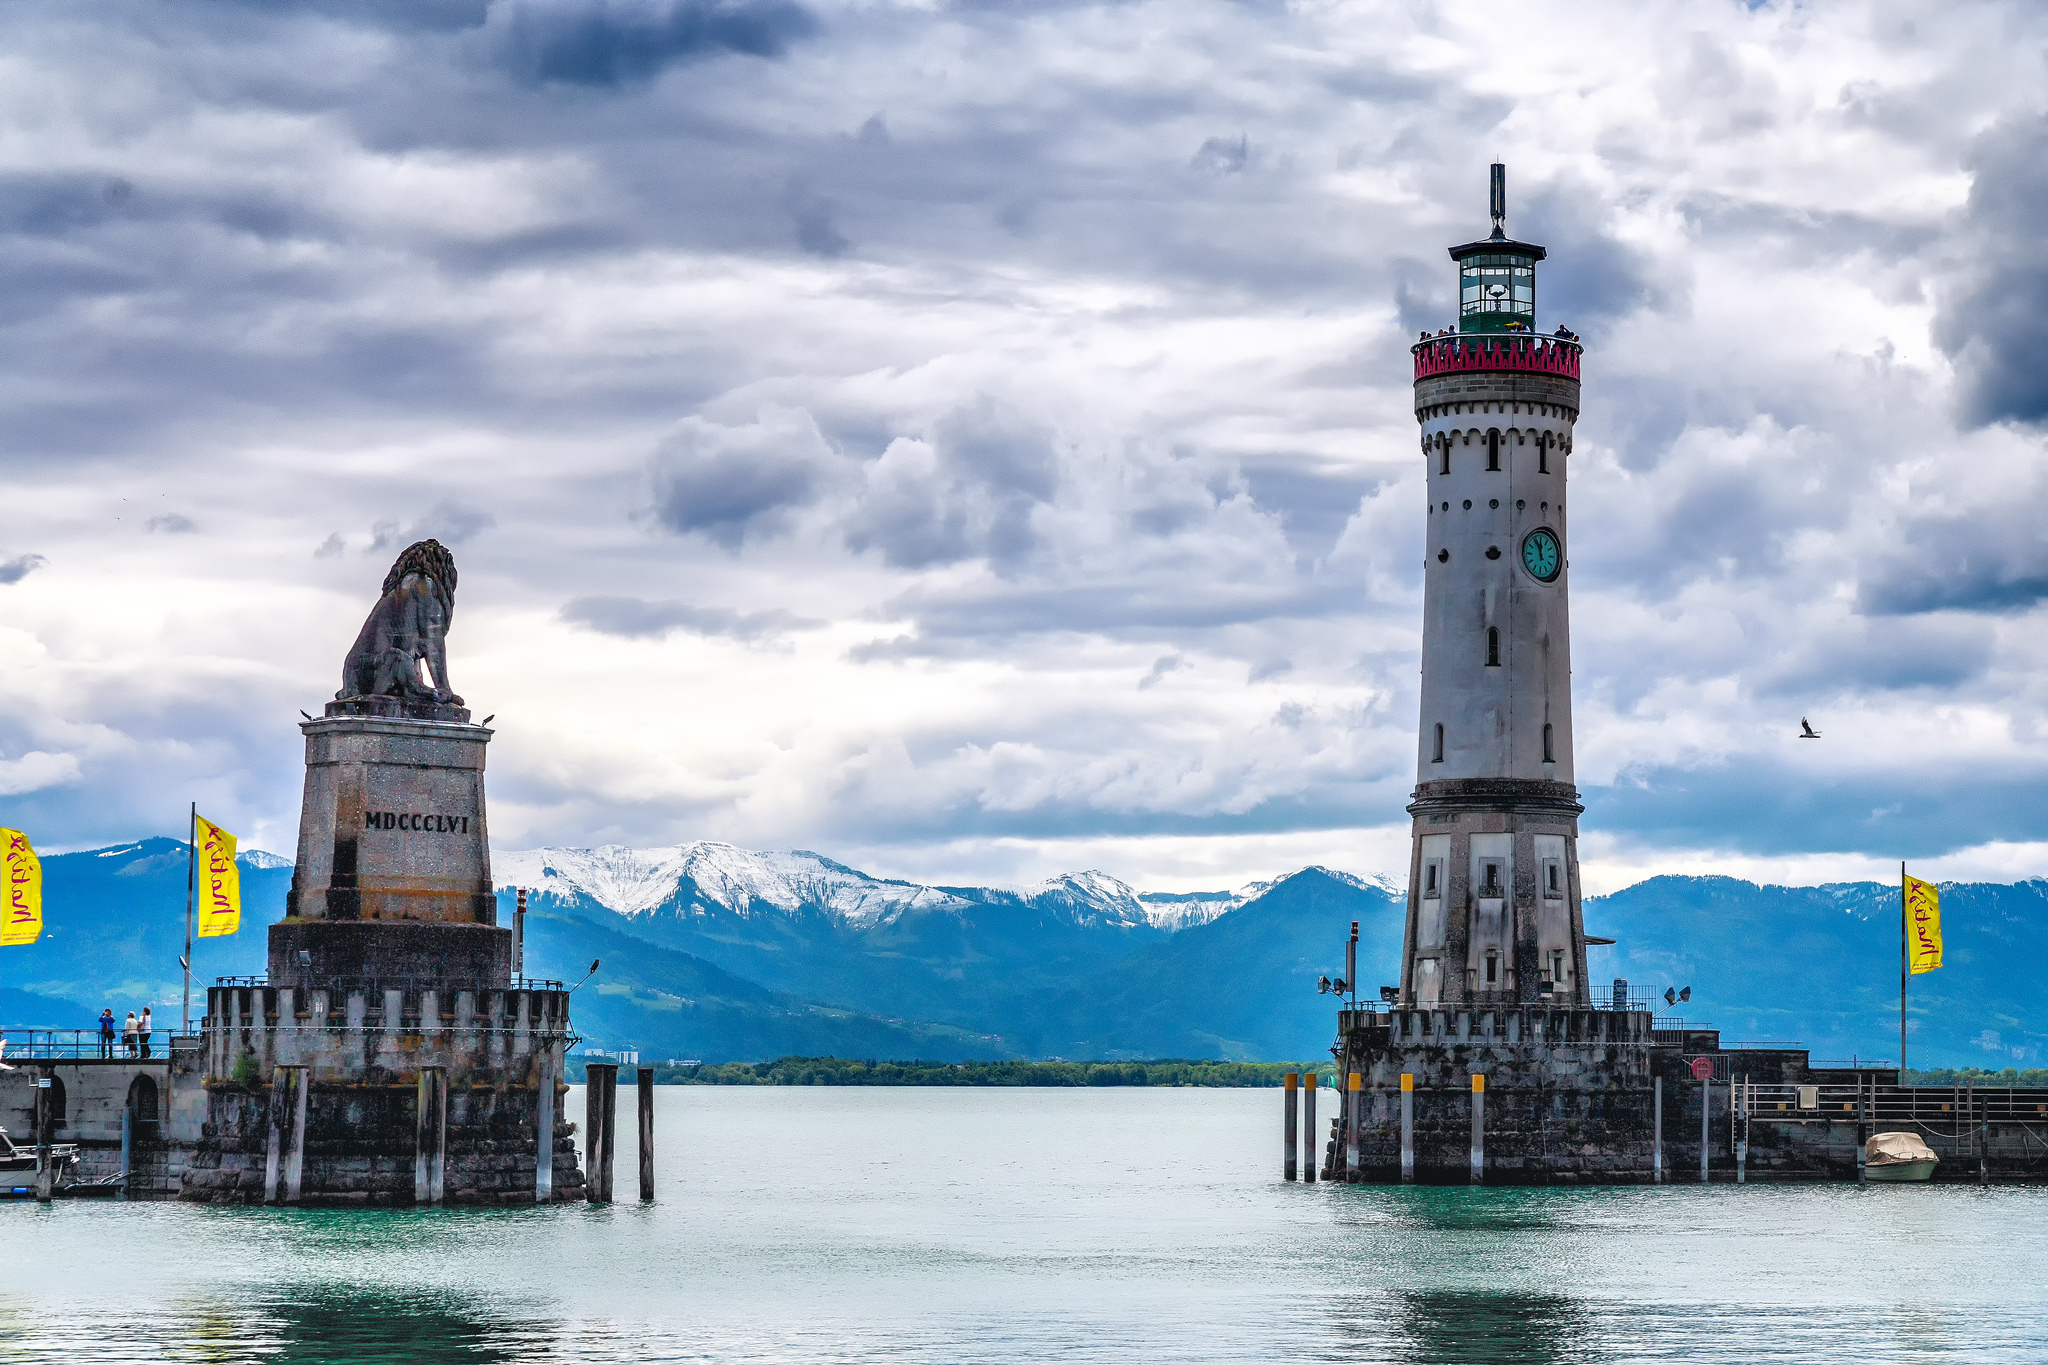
x=1898, y=1157
x=18, y=1166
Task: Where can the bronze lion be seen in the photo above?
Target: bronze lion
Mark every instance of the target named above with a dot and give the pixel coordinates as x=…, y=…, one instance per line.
x=409, y=624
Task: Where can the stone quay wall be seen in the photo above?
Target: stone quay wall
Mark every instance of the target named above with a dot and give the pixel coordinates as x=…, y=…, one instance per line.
x=1572, y=1097
x=361, y=1050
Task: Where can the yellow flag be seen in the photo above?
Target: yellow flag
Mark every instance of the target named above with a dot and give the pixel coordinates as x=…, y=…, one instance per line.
x=21, y=883
x=220, y=881
x=1923, y=924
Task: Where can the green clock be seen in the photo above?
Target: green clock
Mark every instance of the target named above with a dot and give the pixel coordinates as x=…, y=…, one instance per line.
x=1541, y=554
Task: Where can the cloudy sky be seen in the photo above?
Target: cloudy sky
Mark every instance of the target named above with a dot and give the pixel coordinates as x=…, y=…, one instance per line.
x=974, y=440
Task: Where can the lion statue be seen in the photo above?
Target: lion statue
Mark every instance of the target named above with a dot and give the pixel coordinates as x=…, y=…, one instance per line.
x=408, y=624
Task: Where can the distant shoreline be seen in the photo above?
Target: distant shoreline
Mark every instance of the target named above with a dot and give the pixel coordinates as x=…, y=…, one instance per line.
x=1051, y=1075
x=1165, y=1072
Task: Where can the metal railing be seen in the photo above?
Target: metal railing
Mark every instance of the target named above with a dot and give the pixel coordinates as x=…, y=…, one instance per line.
x=1889, y=1104
x=83, y=1044
x=378, y=984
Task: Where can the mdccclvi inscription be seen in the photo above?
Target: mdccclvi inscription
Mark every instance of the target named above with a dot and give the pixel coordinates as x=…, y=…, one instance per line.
x=424, y=821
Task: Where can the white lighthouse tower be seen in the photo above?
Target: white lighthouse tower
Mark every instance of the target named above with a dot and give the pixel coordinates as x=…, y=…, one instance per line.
x=1493, y=901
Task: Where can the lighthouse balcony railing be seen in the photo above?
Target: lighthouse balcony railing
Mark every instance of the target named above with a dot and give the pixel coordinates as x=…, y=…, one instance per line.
x=1534, y=353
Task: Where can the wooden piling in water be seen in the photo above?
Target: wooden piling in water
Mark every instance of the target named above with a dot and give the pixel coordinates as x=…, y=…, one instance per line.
x=645, y=1077
x=1292, y=1139
x=1354, y=1119
x=1407, y=1128
x=1862, y=1136
x=273, y=1151
x=1738, y=1111
x=46, y=1174
x=544, y=1127
x=295, y=1139
x=1479, y=1128
x=430, y=1137
x=1657, y=1130
x=1311, y=1149
x=1706, y=1117
x=600, y=1108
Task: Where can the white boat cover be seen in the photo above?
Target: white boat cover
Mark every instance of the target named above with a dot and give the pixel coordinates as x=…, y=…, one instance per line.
x=1896, y=1149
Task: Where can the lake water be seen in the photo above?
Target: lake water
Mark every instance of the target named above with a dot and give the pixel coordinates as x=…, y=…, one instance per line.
x=927, y=1225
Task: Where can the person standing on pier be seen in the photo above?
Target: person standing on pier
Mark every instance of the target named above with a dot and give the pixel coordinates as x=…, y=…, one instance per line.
x=128, y=1035
x=143, y=1030
x=107, y=1034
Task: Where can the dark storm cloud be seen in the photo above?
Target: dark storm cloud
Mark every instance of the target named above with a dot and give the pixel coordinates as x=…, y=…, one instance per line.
x=729, y=483
x=20, y=567
x=616, y=42
x=1993, y=318
x=637, y=618
x=1995, y=561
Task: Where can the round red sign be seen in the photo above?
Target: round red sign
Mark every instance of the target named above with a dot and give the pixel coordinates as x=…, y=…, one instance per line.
x=1702, y=1068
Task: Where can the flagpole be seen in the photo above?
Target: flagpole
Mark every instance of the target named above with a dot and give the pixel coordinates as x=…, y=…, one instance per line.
x=191, y=881
x=1902, y=972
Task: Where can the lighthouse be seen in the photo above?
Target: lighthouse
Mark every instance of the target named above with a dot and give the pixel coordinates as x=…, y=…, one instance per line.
x=1493, y=902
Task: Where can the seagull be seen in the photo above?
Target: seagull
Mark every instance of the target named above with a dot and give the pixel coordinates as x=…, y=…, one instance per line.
x=1806, y=731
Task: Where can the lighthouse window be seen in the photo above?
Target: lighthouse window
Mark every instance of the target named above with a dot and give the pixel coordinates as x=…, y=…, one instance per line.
x=1493, y=646
x=1433, y=879
x=1557, y=967
x=1439, y=756
x=1447, y=457
x=1496, y=289
x=1553, y=879
x=1548, y=756
x=1542, y=460
x=1492, y=969
x=1490, y=879
x=1493, y=448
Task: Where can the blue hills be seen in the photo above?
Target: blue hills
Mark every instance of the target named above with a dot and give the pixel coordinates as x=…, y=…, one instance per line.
x=717, y=953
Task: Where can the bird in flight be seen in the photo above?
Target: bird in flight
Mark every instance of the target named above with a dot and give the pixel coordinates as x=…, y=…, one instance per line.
x=1806, y=731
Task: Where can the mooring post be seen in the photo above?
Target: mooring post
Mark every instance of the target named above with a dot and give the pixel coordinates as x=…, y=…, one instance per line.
x=273, y=1152
x=544, y=1129
x=1354, y=1111
x=1479, y=1128
x=1657, y=1130
x=46, y=1175
x=430, y=1137
x=295, y=1140
x=1407, y=1128
x=1311, y=1150
x=1706, y=1117
x=1861, y=1136
x=1292, y=1140
x=645, y=1077
x=1983, y=1127
x=1738, y=1113
x=600, y=1094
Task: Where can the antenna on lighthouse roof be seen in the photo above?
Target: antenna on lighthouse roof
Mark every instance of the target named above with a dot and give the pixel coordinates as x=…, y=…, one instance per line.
x=1498, y=200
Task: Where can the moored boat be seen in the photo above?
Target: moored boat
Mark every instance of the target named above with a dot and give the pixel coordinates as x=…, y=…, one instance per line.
x=1898, y=1157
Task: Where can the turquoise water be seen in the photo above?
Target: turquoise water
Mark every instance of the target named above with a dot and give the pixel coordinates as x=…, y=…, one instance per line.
x=925, y=1225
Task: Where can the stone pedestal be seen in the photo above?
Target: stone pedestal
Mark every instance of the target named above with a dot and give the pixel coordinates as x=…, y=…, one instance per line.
x=392, y=826
x=388, y=968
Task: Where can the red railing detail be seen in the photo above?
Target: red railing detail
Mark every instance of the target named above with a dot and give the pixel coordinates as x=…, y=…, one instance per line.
x=1453, y=354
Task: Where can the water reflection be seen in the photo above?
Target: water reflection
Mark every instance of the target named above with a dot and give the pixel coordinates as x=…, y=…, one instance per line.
x=1464, y=1327
x=288, y=1325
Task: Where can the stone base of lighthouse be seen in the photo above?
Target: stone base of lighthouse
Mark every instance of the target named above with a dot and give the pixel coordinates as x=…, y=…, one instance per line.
x=1569, y=1095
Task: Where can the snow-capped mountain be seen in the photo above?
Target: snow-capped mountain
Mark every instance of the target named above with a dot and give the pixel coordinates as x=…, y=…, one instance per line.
x=639, y=881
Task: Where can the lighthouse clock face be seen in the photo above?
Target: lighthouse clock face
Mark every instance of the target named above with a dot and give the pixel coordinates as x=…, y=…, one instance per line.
x=1541, y=555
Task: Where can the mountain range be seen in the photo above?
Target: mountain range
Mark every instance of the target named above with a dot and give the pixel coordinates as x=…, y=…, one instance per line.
x=718, y=953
